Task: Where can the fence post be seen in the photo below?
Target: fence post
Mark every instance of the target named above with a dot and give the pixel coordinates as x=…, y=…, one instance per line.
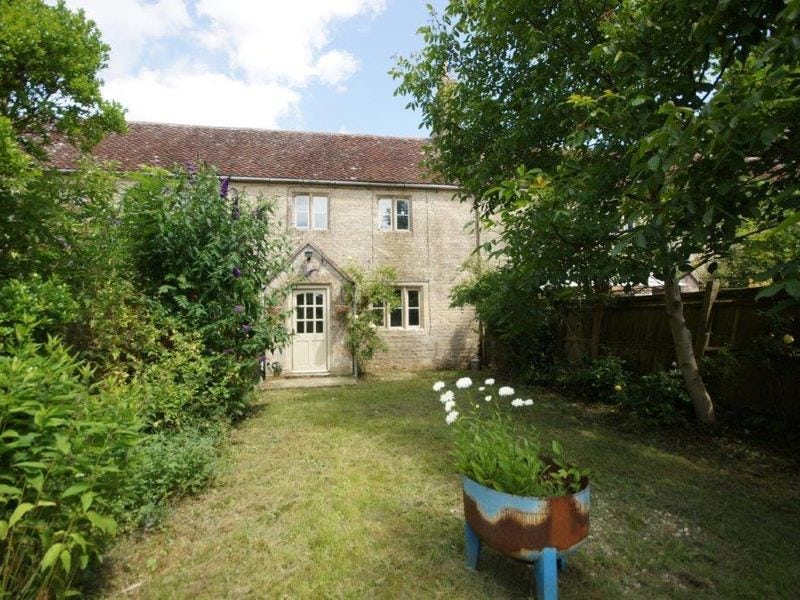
x=703, y=329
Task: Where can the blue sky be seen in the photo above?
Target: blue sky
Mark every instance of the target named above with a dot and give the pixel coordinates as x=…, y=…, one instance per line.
x=315, y=65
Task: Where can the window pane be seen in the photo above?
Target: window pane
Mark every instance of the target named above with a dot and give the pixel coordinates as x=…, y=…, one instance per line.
x=299, y=311
x=403, y=213
x=320, y=212
x=413, y=317
x=319, y=312
x=301, y=327
x=319, y=326
x=385, y=213
x=413, y=298
x=300, y=298
x=319, y=299
x=396, y=318
x=309, y=299
x=309, y=312
x=301, y=212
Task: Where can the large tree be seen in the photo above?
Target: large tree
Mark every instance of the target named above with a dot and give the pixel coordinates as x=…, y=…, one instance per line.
x=661, y=126
x=50, y=60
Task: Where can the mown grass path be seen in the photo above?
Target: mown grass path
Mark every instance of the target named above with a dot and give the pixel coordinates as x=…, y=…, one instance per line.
x=348, y=493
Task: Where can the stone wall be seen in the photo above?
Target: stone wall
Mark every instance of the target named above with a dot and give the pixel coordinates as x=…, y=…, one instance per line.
x=429, y=256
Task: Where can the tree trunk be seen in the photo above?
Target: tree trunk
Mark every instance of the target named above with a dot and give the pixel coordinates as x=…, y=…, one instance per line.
x=682, y=338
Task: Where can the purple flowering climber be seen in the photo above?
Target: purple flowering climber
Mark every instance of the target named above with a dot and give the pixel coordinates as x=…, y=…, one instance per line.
x=237, y=272
x=246, y=328
x=238, y=309
x=223, y=188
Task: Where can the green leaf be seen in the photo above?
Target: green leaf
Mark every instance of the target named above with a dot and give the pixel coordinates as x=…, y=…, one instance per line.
x=792, y=287
x=86, y=500
x=3, y=530
x=51, y=556
x=19, y=512
x=74, y=490
x=8, y=490
x=105, y=524
x=66, y=561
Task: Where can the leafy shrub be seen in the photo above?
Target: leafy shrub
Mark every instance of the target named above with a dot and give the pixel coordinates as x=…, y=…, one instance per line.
x=603, y=380
x=207, y=254
x=168, y=465
x=523, y=332
x=46, y=306
x=174, y=390
x=659, y=397
x=64, y=444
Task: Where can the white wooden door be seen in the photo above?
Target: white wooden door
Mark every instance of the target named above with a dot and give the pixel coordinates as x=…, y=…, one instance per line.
x=310, y=343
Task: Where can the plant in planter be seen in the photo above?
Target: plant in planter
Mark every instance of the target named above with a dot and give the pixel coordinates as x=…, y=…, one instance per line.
x=526, y=502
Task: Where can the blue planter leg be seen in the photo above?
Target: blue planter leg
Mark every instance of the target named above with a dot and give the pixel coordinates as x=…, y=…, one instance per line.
x=472, y=546
x=546, y=572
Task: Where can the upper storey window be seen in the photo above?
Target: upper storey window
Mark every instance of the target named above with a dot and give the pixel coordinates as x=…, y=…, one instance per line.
x=394, y=214
x=310, y=212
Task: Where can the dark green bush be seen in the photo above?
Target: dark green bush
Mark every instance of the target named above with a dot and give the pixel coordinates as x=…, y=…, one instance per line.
x=523, y=332
x=660, y=398
x=64, y=445
x=168, y=465
x=603, y=380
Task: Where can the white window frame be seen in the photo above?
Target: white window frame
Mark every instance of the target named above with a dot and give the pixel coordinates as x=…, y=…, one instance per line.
x=404, y=308
x=311, y=212
x=393, y=200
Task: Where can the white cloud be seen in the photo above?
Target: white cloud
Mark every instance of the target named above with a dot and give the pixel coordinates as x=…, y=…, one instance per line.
x=272, y=49
x=283, y=41
x=129, y=25
x=202, y=99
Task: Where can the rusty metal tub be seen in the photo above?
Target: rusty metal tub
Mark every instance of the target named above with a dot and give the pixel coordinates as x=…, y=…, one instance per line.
x=543, y=531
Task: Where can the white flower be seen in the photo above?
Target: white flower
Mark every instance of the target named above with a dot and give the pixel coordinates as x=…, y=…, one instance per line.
x=451, y=417
x=438, y=386
x=518, y=402
x=449, y=405
x=488, y=398
x=480, y=389
x=528, y=402
x=506, y=391
x=447, y=396
x=463, y=383
x=489, y=381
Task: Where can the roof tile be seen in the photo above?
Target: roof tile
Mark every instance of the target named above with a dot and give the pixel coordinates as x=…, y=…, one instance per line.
x=262, y=153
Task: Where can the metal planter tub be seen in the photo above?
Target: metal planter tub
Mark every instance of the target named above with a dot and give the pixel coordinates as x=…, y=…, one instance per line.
x=542, y=531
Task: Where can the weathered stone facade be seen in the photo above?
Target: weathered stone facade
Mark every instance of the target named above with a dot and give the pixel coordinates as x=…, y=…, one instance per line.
x=429, y=257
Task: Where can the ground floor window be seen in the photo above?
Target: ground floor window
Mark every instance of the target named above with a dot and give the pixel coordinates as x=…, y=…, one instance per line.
x=406, y=315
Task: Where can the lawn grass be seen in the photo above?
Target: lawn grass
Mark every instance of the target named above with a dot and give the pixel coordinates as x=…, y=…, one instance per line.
x=348, y=492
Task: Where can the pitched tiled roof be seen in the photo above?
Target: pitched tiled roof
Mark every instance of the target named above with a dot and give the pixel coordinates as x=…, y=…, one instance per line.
x=262, y=153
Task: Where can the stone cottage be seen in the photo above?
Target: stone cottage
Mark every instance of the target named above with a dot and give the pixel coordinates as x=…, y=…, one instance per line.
x=346, y=199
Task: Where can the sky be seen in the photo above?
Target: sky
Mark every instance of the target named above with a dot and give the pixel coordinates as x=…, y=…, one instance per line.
x=308, y=65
